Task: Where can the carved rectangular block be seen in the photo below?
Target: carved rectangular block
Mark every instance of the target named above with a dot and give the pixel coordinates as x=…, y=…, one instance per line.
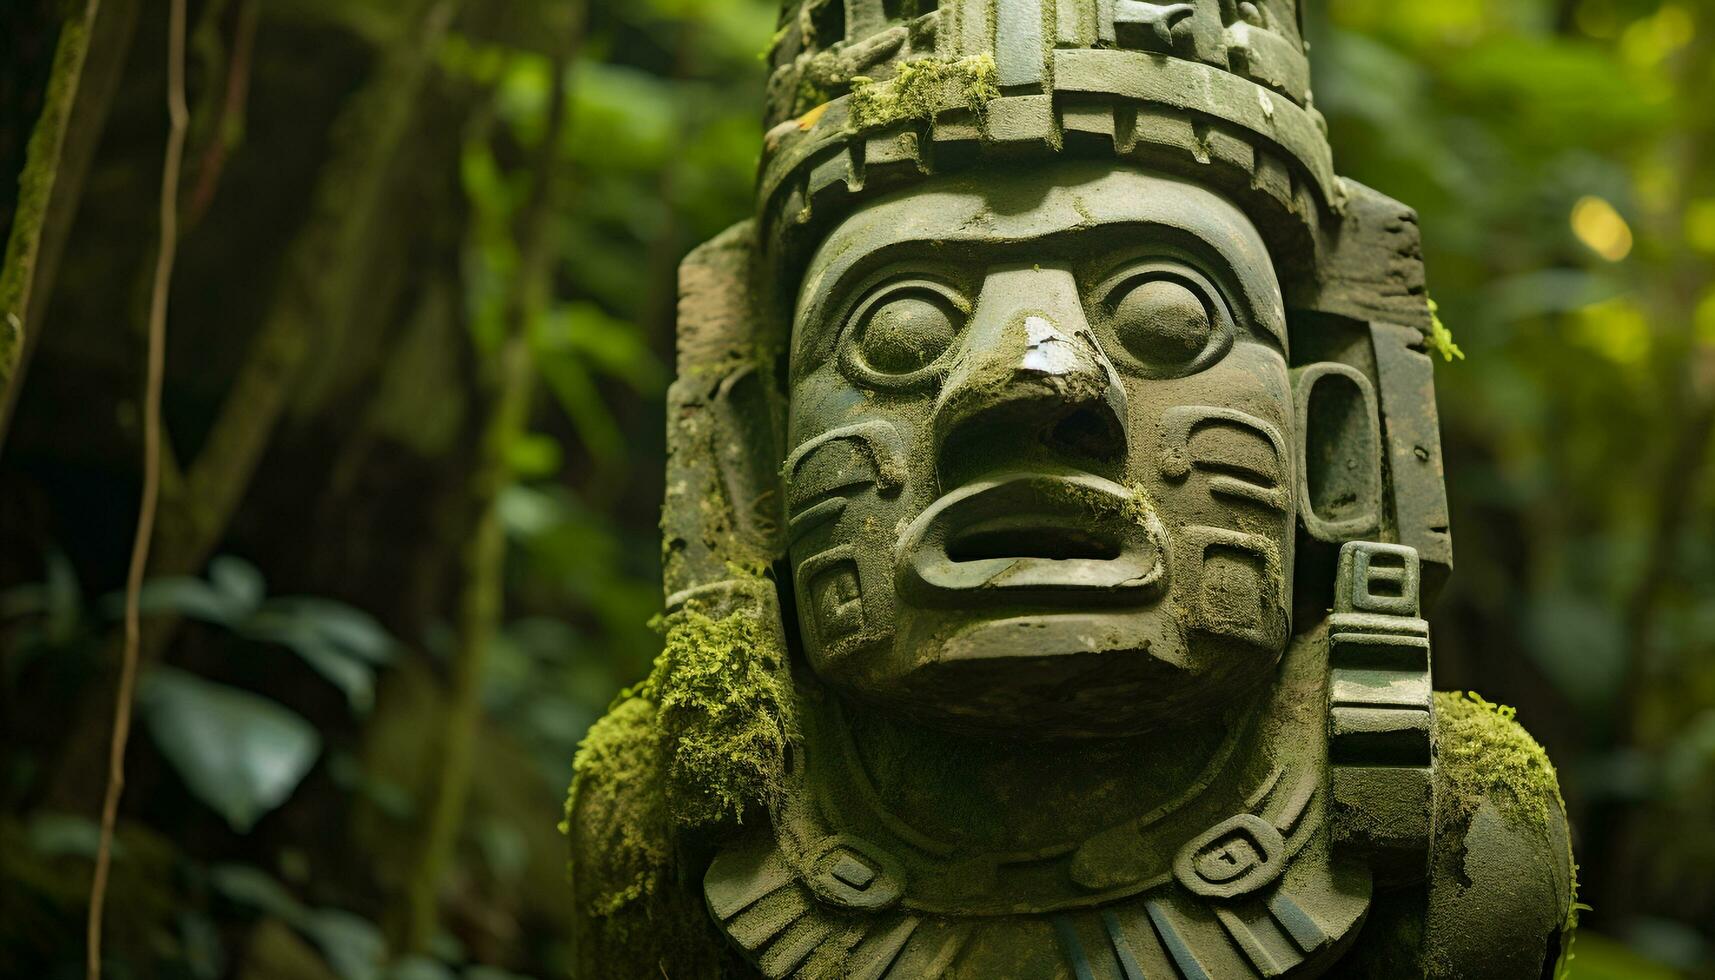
x=864, y=18
x=1074, y=23
x=1228, y=151
x=1381, y=689
x=1274, y=178
x=1387, y=811
x=1268, y=59
x=1379, y=736
x=957, y=131
x=1018, y=49
x=832, y=178
x=1412, y=430
x=1147, y=129
x=1378, y=651
x=974, y=24
x=1088, y=120
x=1020, y=121
x=893, y=157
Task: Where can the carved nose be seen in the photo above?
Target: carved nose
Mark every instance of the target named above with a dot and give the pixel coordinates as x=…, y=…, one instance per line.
x=1030, y=382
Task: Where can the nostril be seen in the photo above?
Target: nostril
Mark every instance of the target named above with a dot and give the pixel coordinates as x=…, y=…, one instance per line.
x=1088, y=432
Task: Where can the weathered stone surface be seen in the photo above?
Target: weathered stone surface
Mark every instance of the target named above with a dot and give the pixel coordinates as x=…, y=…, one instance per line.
x=1055, y=489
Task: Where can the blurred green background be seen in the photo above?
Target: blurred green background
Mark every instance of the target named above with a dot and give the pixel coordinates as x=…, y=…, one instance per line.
x=381, y=590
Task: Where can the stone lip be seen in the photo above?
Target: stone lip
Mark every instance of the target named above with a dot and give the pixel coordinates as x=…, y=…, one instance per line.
x=1056, y=538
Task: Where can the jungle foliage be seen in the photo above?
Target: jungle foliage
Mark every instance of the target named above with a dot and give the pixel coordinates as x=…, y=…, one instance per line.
x=418, y=348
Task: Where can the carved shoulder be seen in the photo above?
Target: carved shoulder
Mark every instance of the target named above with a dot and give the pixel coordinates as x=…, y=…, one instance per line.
x=1501, y=879
x=1500, y=892
x=638, y=909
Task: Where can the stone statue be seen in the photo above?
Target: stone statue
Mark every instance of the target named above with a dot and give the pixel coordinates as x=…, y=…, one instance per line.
x=1055, y=487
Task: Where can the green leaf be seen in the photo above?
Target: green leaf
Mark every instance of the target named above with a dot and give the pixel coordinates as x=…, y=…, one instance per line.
x=353, y=677
x=238, y=581
x=534, y=455
x=352, y=944
x=183, y=595
x=339, y=642
x=66, y=834
x=350, y=629
x=199, y=938
x=240, y=754
x=257, y=889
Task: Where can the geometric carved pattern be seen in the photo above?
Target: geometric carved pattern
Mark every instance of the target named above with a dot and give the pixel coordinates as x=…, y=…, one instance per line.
x=788, y=930
x=1239, y=906
x=1380, y=708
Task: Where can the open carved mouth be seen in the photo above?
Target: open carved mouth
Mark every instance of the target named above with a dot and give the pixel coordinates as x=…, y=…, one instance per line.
x=1027, y=538
x=1035, y=537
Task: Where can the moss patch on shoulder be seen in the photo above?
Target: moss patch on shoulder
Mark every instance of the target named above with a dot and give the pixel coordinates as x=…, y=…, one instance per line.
x=705, y=736
x=620, y=813
x=1486, y=755
x=725, y=712
x=701, y=743
x=922, y=88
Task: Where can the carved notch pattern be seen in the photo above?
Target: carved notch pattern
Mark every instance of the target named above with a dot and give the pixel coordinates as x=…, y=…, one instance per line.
x=1380, y=708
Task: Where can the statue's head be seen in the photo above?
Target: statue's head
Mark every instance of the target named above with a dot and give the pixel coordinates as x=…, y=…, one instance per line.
x=1040, y=464
x=1085, y=358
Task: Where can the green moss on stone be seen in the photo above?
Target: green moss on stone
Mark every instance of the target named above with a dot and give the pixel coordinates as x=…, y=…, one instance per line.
x=702, y=742
x=620, y=810
x=725, y=711
x=922, y=88
x=1486, y=755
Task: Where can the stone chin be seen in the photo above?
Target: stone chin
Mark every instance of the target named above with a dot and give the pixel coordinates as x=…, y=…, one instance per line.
x=1041, y=481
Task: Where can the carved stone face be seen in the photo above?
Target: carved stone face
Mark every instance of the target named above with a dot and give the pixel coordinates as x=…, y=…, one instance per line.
x=1040, y=478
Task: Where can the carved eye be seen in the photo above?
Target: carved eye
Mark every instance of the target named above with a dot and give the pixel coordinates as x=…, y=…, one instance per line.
x=1162, y=322
x=1167, y=317
x=901, y=332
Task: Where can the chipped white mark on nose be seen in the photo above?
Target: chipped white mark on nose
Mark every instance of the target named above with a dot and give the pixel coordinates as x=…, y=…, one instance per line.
x=1047, y=350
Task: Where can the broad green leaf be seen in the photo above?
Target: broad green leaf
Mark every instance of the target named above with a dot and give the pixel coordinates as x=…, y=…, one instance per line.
x=578, y=396
x=352, y=944
x=239, y=581
x=352, y=676
x=199, y=937
x=257, y=889
x=534, y=455
x=527, y=512
x=240, y=754
x=614, y=346
x=350, y=629
x=66, y=834
x=183, y=595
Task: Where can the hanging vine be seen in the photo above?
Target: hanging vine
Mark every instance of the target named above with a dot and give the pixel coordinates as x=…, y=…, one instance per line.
x=179, y=120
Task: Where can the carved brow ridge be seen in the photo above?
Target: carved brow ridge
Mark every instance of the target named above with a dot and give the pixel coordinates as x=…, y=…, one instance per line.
x=967, y=249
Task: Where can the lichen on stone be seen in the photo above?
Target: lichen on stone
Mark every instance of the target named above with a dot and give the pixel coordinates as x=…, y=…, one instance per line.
x=922, y=88
x=1486, y=755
